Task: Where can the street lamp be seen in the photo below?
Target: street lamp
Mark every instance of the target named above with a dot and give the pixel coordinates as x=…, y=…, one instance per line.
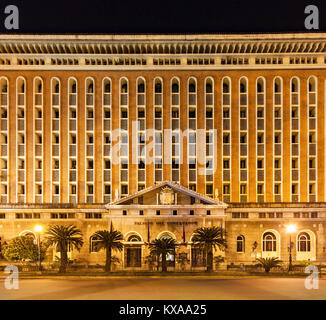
x=38, y=229
x=290, y=229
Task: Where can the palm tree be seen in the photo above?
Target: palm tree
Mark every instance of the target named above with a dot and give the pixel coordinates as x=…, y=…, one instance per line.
x=269, y=263
x=63, y=237
x=208, y=239
x=108, y=240
x=160, y=247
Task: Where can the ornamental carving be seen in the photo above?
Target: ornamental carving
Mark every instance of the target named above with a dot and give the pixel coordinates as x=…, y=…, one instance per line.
x=167, y=196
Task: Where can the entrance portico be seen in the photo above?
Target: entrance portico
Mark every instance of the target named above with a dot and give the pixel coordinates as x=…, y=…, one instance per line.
x=164, y=210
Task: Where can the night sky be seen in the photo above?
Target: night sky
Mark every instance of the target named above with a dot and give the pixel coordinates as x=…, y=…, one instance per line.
x=156, y=16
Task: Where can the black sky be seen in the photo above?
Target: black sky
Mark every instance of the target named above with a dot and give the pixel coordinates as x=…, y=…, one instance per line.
x=157, y=16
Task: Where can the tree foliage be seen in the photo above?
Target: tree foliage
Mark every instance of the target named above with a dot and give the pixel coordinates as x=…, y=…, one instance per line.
x=108, y=240
x=160, y=248
x=62, y=237
x=23, y=248
x=208, y=239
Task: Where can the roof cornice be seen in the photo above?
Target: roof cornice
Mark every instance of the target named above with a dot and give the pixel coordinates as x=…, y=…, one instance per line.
x=163, y=43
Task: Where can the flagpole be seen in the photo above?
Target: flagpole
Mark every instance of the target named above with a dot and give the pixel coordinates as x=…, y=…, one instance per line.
x=183, y=233
x=148, y=233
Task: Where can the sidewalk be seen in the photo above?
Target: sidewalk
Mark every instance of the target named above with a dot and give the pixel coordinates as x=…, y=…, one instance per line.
x=203, y=275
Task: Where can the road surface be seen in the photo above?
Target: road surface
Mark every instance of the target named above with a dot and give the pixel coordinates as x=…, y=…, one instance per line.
x=163, y=288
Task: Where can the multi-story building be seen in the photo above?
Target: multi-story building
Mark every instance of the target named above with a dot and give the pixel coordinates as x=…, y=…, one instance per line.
x=161, y=134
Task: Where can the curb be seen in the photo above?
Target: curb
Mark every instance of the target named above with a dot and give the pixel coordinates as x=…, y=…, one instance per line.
x=204, y=277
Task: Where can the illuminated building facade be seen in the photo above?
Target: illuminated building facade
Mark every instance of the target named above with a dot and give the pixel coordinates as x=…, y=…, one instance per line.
x=232, y=126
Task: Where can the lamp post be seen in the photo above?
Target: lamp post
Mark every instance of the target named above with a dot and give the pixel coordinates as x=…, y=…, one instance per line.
x=38, y=229
x=290, y=229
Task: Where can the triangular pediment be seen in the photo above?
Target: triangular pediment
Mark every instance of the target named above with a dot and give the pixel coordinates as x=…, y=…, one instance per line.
x=166, y=193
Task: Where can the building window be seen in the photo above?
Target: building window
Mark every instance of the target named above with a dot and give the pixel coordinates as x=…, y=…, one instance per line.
x=158, y=92
x=305, y=215
x=124, y=189
x=260, y=189
x=269, y=241
x=243, y=189
x=209, y=92
x=192, y=212
x=158, y=212
x=240, y=244
x=304, y=242
x=90, y=189
x=209, y=189
x=93, y=247
x=260, y=163
x=271, y=215
x=294, y=188
x=226, y=189
x=175, y=212
x=91, y=215
x=314, y=215
x=140, y=92
x=240, y=215
x=124, y=212
x=175, y=92
x=124, y=92
x=192, y=92
x=226, y=164
x=107, y=189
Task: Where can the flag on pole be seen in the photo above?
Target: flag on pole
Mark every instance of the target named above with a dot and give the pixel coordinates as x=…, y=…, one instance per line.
x=221, y=226
x=183, y=233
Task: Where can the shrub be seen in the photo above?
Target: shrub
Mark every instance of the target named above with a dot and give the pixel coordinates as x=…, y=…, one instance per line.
x=269, y=263
x=23, y=248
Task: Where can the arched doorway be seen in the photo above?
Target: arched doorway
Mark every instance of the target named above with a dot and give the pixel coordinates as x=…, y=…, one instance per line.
x=133, y=251
x=170, y=256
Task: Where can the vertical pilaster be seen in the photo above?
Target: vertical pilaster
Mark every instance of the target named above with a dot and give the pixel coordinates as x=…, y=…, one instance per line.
x=235, y=187
x=167, y=153
x=132, y=118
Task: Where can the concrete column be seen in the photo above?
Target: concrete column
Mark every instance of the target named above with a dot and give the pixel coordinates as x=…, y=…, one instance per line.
x=235, y=187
